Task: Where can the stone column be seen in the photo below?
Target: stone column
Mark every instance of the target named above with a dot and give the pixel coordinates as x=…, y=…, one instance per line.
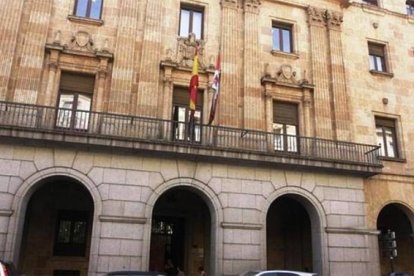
x=307, y=103
x=339, y=92
x=10, y=18
x=320, y=73
x=252, y=99
x=28, y=70
x=149, y=74
x=230, y=48
x=53, y=65
x=123, y=68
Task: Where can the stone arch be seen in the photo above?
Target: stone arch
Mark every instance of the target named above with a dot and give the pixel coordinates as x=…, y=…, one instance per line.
x=23, y=195
x=317, y=216
x=403, y=206
x=213, y=204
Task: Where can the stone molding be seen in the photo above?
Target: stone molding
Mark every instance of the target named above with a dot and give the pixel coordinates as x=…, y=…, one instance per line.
x=122, y=219
x=6, y=213
x=284, y=76
x=352, y=231
x=243, y=226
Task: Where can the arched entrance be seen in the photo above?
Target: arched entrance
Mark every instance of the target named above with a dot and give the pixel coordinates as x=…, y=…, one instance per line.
x=396, y=218
x=292, y=235
x=57, y=229
x=181, y=232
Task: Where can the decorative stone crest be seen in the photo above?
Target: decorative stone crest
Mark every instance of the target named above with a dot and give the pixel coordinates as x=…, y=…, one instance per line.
x=81, y=41
x=186, y=51
x=318, y=16
x=285, y=75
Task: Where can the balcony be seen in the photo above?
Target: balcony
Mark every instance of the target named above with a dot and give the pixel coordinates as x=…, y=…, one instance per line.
x=42, y=125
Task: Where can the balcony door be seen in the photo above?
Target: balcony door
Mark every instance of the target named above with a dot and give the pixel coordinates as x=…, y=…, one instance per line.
x=182, y=129
x=75, y=101
x=285, y=126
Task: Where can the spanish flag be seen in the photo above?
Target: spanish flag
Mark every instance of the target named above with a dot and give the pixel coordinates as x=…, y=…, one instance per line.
x=194, y=87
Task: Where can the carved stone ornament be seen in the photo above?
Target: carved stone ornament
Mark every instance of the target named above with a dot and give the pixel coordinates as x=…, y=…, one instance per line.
x=81, y=41
x=286, y=74
x=251, y=5
x=333, y=18
x=186, y=51
x=316, y=15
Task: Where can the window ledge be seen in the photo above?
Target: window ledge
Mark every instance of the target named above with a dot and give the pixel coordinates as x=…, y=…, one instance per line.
x=85, y=20
x=373, y=9
x=285, y=54
x=381, y=73
x=393, y=159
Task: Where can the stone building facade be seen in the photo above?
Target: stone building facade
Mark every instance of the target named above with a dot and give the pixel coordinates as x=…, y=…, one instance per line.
x=100, y=169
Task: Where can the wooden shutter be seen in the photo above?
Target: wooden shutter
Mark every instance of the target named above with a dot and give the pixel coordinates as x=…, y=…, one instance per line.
x=376, y=49
x=285, y=113
x=77, y=82
x=181, y=97
x=384, y=122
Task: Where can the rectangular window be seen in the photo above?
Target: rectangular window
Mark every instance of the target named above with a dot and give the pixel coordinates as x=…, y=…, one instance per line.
x=88, y=8
x=71, y=233
x=182, y=130
x=75, y=101
x=282, y=37
x=191, y=21
x=377, y=57
x=386, y=137
x=410, y=7
x=285, y=126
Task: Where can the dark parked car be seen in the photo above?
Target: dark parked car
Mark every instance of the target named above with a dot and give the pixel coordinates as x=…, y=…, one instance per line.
x=135, y=273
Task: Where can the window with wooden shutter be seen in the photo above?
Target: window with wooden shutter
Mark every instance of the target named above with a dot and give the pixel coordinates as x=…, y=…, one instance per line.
x=75, y=101
x=285, y=126
x=386, y=136
x=377, y=57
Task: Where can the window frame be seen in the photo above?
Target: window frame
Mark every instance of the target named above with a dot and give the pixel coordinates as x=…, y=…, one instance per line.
x=192, y=9
x=88, y=9
x=73, y=110
x=287, y=139
x=283, y=26
x=371, y=2
x=377, y=51
x=384, y=124
x=409, y=4
x=71, y=248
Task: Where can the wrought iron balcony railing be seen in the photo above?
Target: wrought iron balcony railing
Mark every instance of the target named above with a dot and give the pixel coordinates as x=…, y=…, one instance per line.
x=133, y=128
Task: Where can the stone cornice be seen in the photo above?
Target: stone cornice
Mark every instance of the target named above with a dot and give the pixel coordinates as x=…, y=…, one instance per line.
x=6, y=213
x=240, y=225
x=352, y=231
x=122, y=219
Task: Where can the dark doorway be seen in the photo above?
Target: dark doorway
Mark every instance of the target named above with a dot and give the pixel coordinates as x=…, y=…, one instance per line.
x=289, y=236
x=394, y=217
x=57, y=229
x=180, y=234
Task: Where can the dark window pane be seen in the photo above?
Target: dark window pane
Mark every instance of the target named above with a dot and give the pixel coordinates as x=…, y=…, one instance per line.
x=79, y=232
x=64, y=231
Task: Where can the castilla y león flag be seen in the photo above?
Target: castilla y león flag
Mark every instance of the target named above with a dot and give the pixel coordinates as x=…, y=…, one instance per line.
x=194, y=86
x=216, y=88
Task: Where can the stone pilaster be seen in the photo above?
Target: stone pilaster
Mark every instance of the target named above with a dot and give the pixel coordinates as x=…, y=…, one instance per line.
x=123, y=68
x=339, y=92
x=230, y=97
x=147, y=95
x=252, y=101
x=320, y=73
x=10, y=16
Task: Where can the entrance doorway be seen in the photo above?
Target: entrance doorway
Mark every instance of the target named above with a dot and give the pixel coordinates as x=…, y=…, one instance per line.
x=396, y=218
x=180, y=233
x=57, y=229
x=289, y=235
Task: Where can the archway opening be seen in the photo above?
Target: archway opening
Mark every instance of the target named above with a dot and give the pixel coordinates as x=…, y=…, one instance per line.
x=396, y=218
x=289, y=235
x=180, y=233
x=57, y=229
